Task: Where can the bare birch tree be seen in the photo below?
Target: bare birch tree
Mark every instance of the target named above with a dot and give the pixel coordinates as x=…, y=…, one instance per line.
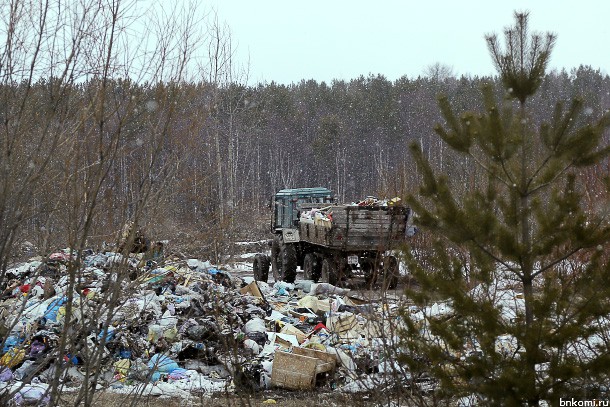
x=87, y=89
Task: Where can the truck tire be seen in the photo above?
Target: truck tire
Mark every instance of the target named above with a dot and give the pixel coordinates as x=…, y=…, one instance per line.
x=276, y=260
x=329, y=272
x=260, y=267
x=309, y=262
x=288, y=254
x=391, y=273
x=317, y=270
x=369, y=269
x=312, y=267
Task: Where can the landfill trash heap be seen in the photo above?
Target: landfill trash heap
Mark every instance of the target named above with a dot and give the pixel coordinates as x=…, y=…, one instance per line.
x=180, y=327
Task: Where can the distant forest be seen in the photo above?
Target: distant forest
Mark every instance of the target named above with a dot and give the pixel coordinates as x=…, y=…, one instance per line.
x=224, y=150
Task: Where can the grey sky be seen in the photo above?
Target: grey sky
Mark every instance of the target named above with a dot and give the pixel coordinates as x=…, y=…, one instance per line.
x=339, y=39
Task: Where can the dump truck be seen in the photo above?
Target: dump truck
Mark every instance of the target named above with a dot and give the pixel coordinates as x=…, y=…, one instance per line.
x=332, y=242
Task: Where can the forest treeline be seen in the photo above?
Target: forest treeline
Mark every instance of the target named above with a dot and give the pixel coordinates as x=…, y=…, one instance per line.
x=224, y=150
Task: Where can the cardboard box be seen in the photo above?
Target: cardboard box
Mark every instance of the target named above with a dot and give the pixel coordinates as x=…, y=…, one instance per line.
x=251, y=289
x=342, y=323
x=292, y=330
x=292, y=371
x=326, y=361
x=298, y=370
x=286, y=341
x=323, y=222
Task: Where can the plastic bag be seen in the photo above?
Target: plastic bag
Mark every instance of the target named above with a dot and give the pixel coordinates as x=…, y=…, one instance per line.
x=162, y=363
x=255, y=325
x=327, y=289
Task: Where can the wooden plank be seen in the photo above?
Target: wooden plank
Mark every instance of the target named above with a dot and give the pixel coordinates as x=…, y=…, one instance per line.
x=372, y=240
x=367, y=231
x=355, y=209
x=372, y=228
x=361, y=218
x=353, y=217
x=368, y=222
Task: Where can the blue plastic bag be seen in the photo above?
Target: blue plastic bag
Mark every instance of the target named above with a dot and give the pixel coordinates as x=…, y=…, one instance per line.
x=53, y=308
x=162, y=363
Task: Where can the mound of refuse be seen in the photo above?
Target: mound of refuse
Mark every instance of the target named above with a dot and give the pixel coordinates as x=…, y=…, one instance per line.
x=178, y=327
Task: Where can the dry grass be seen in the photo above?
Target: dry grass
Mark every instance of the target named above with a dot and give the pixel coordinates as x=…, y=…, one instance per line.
x=281, y=398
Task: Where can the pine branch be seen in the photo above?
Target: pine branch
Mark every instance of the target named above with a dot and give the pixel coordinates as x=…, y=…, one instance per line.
x=557, y=261
x=497, y=259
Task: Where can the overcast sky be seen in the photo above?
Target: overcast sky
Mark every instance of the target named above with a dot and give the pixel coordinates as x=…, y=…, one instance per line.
x=289, y=40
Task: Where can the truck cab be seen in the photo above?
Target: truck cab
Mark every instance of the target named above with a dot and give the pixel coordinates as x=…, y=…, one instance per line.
x=286, y=205
x=286, y=251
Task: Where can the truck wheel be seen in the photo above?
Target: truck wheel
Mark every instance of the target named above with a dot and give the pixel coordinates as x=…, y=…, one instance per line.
x=329, y=272
x=276, y=260
x=288, y=254
x=391, y=273
x=260, y=267
x=309, y=264
x=370, y=274
x=317, y=267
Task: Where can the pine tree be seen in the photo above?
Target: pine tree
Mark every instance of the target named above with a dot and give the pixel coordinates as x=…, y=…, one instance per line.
x=521, y=263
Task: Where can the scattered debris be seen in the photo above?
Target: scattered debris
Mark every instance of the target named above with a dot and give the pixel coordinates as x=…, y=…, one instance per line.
x=180, y=326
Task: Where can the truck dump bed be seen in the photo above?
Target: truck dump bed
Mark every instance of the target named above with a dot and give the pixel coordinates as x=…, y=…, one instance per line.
x=353, y=227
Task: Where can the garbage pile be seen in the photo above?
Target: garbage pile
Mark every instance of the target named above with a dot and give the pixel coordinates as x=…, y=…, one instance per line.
x=173, y=327
x=324, y=216
x=321, y=216
x=374, y=202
